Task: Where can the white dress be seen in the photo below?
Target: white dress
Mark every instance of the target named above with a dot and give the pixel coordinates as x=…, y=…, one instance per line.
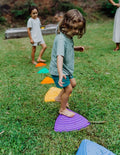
x=36, y=33
x=116, y=28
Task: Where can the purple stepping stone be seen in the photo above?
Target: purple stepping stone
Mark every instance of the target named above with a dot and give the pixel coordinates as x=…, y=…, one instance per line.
x=64, y=123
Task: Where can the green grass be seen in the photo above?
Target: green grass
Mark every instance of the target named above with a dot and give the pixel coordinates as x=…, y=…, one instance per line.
x=27, y=122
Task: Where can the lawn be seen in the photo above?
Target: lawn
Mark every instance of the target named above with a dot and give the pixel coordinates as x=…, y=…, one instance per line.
x=27, y=122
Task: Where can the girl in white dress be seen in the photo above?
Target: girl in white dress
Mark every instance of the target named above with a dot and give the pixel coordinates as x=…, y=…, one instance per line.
x=35, y=34
x=116, y=29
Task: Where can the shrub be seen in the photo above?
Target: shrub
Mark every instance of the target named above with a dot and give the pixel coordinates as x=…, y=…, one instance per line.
x=68, y=6
x=2, y=20
x=108, y=8
x=64, y=7
x=45, y=12
x=21, y=11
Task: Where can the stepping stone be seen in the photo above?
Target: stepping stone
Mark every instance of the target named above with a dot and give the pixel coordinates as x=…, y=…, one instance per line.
x=43, y=70
x=51, y=94
x=65, y=124
x=40, y=65
x=47, y=80
x=88, y=147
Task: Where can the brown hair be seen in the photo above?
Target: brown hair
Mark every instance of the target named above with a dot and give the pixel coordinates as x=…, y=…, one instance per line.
x=70, y=20
x=59, y=14
x=32, y=8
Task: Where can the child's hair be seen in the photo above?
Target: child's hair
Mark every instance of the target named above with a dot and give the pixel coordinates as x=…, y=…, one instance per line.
x=69, y=21
x=32, y=8
x=59, y=14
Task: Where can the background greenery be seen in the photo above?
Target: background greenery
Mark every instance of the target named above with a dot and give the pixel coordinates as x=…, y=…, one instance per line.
x=18, y=13
x=27, y=122
x=108, y=9
x=21, y=11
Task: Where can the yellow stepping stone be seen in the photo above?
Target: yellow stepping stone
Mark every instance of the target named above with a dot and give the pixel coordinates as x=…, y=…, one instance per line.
x=51, y=94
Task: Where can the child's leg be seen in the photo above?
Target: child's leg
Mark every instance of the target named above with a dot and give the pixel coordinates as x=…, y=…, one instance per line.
x=117, y=47
x=64, y=100
x=73, y=82
x=58, y=98
x=41, y=53
x=33, y=54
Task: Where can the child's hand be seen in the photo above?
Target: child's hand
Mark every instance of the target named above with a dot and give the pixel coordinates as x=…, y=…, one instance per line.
x=60, y=79
x=79, y=48
x=31, y=41
x=117, y=5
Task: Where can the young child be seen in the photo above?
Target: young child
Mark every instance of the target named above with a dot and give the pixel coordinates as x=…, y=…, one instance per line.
x=116, y=29
x=62, y=57
x=35, y=34
x=58, y=17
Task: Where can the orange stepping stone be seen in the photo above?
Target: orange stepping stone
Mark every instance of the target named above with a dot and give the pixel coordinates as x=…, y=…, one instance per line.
x=47, y=80
x=40, y=64
x=51, y=94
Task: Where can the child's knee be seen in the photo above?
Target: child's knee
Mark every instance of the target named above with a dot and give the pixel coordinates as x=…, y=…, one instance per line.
x=45, y=46
x=69, y=90
x=34, y=48
x=74, y=84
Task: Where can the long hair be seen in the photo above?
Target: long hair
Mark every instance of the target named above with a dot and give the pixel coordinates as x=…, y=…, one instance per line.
x=70, y=20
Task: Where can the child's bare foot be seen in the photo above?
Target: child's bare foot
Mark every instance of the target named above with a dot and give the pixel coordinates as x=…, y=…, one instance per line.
x=34, y=62
x=59, y=100
x=116, y=49
x=41, y=60
x=79, y=48
x=66, y=112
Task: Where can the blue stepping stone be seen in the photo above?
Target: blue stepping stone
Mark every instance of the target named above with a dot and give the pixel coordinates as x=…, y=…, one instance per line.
x=88, y=147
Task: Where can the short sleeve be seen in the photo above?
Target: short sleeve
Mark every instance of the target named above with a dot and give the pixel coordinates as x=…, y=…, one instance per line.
x=60, y=46
x=29, y=24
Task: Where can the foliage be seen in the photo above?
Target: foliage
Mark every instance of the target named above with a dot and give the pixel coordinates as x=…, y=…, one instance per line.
x=44, y=13
x=21, y=11
x=68, y=6
x=27, y=122
x=2, y=20
x=108, y=9
x=59, y=6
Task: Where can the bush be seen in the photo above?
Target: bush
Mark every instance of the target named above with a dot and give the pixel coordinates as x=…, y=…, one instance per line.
x=68, y=6
x=2, y=20
x=45, y=12
x=64, y=7
x=108, y=8
x=21, y=11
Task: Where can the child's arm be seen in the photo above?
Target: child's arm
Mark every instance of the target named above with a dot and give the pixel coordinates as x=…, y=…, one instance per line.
x=79, y=48
x=29, y=34
x=113, y=3
x=60, y=66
